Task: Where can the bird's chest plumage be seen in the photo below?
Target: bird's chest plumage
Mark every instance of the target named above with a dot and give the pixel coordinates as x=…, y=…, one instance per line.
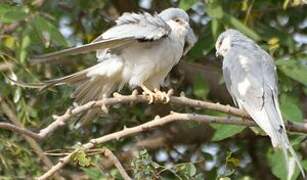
x=148, y=60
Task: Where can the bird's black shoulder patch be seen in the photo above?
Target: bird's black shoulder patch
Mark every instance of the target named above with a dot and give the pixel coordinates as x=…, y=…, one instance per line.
x=150, y=39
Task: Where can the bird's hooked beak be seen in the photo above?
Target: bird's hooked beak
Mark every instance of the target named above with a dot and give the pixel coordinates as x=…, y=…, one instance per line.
x=218, y=56
x=190, y=40
x=186, y=24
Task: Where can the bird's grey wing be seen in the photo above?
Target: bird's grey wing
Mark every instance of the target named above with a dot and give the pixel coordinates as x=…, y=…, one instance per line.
x=140, y=26
x=269, y=69
x=242, y=77
x=130, y=27
x=103, y=44
x=251, y=89
x=227, y=79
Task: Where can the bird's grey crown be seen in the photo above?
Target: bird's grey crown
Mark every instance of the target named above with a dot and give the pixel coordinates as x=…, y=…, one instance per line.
x=236, y=38
x=172, y=13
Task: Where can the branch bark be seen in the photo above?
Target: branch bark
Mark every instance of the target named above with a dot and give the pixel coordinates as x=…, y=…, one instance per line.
x=241, y=119
x=134, y=98
x=157, y=122
x=116, y=163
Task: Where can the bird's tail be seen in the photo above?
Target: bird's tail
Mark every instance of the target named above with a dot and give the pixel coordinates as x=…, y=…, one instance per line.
x=93, y=83
x=270, y=120
x=280, y=139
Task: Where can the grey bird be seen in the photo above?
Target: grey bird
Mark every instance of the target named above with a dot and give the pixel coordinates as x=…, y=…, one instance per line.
x=140, y=50
x=250, y=77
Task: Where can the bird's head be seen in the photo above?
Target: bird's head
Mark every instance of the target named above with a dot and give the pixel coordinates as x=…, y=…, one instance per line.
x=178, y=20
x=227, y=40
x=176, y=17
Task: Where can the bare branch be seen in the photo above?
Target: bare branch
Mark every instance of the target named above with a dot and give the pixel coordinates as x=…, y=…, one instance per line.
x=19, y=130
x=116, y=163
x=121, y=99
x=134, y=98
x=145, y=127
x=5, y=66
x=243, y=119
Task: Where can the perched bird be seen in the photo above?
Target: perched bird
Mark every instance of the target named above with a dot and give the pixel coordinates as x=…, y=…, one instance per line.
x=140, y=50
x=250, y=76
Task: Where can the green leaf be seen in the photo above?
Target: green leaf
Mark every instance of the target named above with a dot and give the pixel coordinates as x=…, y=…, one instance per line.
x=304, y=164
x=23, y=49
x=234, y=22
x=214, y=9
x=224, y=178
x=190, y=167
x=186, y=169
x=4, y=8
x=201, y=89
x=215, y=28
x=225, y=131
x=48, y=31
x=294, y=69
x=285, y=39
x=10, y=14
x=203, y=46
x=17, y=95
x=232, y=161
x=290, y=109
x=81, y=158
x=278, y=165
x=186, y=4
x=93, y=173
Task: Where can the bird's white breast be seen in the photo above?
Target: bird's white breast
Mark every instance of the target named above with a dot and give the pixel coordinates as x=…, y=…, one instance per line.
x=151, y=60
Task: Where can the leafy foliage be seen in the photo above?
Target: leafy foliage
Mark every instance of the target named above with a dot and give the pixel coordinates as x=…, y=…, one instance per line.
x=178, y=151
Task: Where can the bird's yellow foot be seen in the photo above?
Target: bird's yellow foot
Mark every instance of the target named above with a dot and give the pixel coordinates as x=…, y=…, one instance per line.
x=162, y=96
x=149, y=93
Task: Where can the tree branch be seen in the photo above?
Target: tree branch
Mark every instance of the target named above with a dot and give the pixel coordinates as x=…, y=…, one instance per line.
x=145, y=127
x=242, y=119
x=116, y=163
x=134, y=98
x=19, y=130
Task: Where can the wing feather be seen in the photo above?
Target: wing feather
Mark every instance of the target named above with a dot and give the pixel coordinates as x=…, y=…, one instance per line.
x=129, y=28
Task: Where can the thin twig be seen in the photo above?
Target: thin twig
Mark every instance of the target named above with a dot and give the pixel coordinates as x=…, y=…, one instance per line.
x=28, y=135
x=116, y=163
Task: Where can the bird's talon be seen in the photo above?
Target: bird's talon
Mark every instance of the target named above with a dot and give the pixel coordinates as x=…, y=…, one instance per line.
x=135, y=92
x=116, y=94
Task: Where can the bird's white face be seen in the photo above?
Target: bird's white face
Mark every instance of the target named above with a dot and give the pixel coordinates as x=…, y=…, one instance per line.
x=222, y=45
x=179, y=25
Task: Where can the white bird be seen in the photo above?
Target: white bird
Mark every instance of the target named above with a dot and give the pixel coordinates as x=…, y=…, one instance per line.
x=250, y=76
x=140, y=50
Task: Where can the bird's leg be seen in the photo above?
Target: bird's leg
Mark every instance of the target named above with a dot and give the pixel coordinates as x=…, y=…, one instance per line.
x=162, y=96
x=149, y=93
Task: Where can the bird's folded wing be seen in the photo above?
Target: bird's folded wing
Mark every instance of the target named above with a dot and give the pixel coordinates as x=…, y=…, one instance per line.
x=129, y=28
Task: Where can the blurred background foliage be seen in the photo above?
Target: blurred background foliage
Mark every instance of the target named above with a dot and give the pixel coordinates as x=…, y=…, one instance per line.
x=180, y=150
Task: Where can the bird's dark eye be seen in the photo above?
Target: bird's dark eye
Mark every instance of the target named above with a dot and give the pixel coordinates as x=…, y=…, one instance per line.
x=177, y=20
